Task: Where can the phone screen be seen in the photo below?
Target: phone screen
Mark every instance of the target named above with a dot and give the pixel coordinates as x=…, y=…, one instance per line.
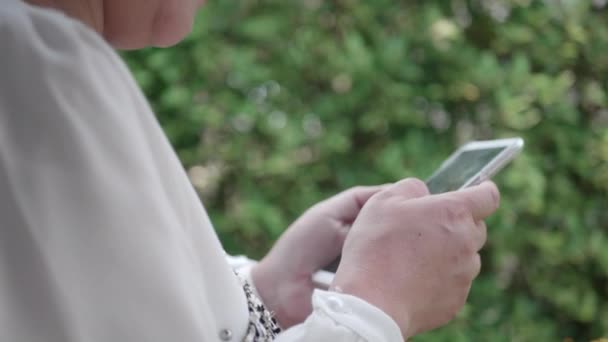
x=465, y=166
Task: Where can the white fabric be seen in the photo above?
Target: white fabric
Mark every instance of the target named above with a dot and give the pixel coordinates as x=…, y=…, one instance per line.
x=102, y=237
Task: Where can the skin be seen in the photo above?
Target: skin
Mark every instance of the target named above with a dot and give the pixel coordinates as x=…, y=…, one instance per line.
x=422, y=254
x=132, y=24
x=411, y=254
x=311, y=242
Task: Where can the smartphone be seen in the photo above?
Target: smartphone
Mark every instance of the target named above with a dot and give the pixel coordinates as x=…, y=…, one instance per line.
x=472, y=164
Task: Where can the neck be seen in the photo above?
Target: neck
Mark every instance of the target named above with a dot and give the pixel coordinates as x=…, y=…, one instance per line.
x=89, y=12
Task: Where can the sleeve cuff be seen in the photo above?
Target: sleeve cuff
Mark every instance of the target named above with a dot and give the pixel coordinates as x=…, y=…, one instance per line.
x=242, y=267
x=363, y=318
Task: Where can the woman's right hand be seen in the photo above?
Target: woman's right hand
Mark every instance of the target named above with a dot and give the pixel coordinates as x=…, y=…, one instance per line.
x=415, y=255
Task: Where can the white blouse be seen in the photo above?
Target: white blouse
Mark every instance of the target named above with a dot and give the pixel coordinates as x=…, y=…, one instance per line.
x=102, y=237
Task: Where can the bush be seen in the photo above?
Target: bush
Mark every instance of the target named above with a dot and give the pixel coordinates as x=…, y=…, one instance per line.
x=275, y=105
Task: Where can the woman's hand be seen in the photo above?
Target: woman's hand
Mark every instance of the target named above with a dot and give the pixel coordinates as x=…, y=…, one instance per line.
x=415, y=255
x=284, y=277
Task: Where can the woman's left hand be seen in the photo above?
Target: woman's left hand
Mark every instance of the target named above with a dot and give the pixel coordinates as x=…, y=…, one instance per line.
x=284, y=277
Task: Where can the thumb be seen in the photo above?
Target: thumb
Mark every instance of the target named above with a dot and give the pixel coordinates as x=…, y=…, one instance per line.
x=408, y=188
x=346, y=205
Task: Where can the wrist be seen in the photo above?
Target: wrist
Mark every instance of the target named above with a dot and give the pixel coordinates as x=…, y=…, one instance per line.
x=378, y=297
x=266, y=284
x=285, y=293
x=261, y=281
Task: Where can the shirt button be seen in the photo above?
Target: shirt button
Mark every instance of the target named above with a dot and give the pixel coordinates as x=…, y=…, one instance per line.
x=335, y=304
x=225, y=335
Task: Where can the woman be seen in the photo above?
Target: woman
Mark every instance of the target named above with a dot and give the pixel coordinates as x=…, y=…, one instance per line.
x=104, y=239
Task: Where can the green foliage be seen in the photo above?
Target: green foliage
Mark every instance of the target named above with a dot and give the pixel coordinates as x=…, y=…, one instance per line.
x=274, y=105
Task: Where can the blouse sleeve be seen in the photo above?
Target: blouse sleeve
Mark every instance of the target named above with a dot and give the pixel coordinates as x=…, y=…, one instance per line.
x=336, y=316
x=97, y=215
x=343, y=318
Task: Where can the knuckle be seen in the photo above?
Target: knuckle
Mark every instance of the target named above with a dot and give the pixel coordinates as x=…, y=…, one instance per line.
x=476, y=265
x=454, y=211
x=416, y=187
x=378, y=198
x=409, y=187
x=494, y=195
x=469, y=247
x=351, y=192
x=483, y=232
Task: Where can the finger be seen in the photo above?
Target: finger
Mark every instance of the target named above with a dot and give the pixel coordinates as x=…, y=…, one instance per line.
x=476, y=265
x=480, y=234
x=346, y=205
x=482, y=200
x=408, y=188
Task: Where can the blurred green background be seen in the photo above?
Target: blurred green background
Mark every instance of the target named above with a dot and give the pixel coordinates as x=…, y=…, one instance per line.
x=274, y=105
